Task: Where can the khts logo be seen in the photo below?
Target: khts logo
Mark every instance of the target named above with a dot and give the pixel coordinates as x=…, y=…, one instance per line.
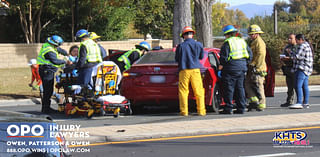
x=289, y=137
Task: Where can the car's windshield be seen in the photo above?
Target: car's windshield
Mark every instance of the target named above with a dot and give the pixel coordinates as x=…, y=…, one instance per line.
x=157, y=57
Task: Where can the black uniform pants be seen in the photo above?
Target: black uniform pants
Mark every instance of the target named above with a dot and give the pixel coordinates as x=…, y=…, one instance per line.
x=233, y=86
x=47, y=77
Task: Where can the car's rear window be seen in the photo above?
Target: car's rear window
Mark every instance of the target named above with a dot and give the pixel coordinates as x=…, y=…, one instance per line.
x=157, y=57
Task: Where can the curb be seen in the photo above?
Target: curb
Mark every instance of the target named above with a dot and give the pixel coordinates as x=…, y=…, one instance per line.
x=198, y=127
x=20, y=102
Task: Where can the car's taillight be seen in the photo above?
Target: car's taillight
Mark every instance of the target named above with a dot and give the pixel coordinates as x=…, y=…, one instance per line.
x=127, y=74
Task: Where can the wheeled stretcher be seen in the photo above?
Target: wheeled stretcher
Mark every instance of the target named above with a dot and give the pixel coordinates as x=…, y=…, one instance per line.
x=101, y=97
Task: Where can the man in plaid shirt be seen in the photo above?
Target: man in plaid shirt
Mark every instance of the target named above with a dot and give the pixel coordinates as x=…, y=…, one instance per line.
x=302, y=66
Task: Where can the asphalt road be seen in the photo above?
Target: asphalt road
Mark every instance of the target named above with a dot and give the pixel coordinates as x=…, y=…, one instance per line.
x=244, y=144
x=165, y=115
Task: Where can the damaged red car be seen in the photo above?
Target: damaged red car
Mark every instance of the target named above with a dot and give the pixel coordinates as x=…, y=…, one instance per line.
x=153, y=79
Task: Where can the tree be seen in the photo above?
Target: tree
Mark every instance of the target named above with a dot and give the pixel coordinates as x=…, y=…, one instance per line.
x=241, y=19
x=281, y=5
x=218, y=14
x=181, y=18
x=203, y=21
x=30, y=18
x=164, y=22
x=109, y=19
x=147, y=14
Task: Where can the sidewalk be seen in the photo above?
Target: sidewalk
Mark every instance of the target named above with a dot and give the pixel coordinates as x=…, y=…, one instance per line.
x=198, y=127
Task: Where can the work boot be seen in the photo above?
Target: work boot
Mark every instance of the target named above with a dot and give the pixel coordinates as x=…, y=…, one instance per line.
x=202, y=113
x=238, y=111
x=285, y=104
x=252, y=106
x=184, y=114
x=261, y=107
x=225, y=112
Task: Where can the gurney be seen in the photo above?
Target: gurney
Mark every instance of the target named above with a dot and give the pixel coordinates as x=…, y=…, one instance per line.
x=102, y=97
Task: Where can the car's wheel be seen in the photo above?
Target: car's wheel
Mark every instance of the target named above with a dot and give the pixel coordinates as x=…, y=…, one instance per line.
x=216, y=99
x=128, y=111
x=102, y=112
x=136, y=109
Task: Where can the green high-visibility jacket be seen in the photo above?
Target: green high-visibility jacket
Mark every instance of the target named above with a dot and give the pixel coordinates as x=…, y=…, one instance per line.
x=93, y=51
x=125, y=58
x=238, y=48
x=41, y=60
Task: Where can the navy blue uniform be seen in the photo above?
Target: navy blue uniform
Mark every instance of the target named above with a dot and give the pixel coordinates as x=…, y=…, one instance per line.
x=187, y=52
x=46, y=73
x=233, y=74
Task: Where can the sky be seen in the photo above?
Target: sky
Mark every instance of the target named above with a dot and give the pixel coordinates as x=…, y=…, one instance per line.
x=239, y=2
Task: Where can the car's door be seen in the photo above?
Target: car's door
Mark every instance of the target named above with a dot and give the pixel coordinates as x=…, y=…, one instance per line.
x=270, y=78
x=211, y=81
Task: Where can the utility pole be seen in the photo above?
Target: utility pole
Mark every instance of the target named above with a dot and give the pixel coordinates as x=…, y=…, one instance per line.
x=275, y=12
x=76, y=14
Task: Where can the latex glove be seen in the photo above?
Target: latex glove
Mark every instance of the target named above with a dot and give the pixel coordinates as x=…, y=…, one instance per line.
x=75, y=72
x=219, y=74
x=77, y=91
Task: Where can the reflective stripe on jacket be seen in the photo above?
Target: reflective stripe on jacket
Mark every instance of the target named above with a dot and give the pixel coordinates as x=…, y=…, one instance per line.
x=125, y=58
x=238, y=48
x=41, y=60
x=93, y=51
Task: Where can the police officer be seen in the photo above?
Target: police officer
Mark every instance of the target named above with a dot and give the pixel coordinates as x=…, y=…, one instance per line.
x=287, y=68
x=127, y=59
x=89, y=56
x=234, y=57
x=48, y=64
x=257, y=70
x=188, y=55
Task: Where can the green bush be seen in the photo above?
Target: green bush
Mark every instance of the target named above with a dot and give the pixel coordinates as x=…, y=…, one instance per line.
x=313, y=35
x=276, y=43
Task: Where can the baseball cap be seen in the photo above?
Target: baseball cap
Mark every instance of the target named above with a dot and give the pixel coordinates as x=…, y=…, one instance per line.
x=32, y=61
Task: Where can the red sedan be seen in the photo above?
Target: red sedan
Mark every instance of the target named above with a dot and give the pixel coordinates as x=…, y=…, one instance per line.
x=154, y=78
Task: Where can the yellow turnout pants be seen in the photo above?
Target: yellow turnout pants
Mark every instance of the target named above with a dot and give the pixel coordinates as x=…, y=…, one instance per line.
x=185, y=77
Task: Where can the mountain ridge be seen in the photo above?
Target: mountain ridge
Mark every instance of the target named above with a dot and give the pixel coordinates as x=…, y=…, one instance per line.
x=251, y=9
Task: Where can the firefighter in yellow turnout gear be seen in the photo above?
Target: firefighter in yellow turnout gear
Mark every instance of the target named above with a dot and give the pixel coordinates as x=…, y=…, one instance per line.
x=188, y=55
x=257, y=70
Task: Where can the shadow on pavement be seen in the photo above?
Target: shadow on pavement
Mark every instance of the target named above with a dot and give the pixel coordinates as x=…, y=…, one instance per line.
x=16, y=96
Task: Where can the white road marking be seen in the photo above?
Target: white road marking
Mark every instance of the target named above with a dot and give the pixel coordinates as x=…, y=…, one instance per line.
x=271, y=155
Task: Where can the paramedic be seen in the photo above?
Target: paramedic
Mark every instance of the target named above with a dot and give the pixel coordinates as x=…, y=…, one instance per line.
x=48, y=64
x=234, y=57
x=89, y=56
x=127, y=59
